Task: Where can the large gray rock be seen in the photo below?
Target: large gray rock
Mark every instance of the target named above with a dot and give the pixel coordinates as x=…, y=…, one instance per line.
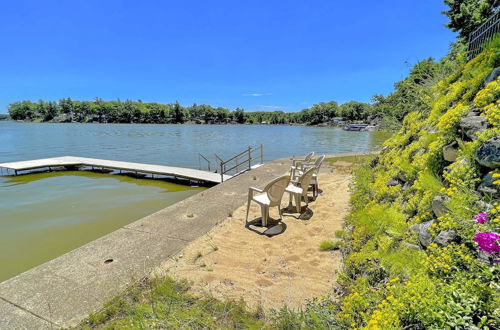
x=488, y=154
x=415, y=228
x=450, y=152
x=424, y=235
x=393, y=182
x=473, y=112
x=483, y=257
x=445, y=237
x=484, y=206
x=492, y=76
x=487, y=187
x=471, y=125
x=438, y=205
x=411, y=246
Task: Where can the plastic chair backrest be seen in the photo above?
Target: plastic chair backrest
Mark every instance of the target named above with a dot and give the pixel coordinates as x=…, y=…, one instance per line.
x=309, y=156
x=319, y=162
x=276, y=188
x=305, y=180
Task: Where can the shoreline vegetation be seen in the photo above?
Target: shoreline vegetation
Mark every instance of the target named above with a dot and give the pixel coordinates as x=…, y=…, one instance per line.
x=134, y=112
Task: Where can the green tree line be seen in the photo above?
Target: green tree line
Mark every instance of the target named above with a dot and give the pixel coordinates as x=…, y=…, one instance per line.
x=98, y=110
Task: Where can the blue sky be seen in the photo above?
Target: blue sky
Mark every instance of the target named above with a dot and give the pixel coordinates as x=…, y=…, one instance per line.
x=259, y=55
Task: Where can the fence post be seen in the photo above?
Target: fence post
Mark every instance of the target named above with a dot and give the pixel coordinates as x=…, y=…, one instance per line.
x=249, y=158
x=221, y=173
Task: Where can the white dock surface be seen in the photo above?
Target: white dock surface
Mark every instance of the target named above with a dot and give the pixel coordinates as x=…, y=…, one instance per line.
x=180, y=172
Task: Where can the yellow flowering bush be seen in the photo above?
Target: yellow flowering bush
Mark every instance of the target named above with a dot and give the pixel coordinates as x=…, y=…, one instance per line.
x=441, y=261
x=390, y=280
x=489, y=94
x=460, y=175
x=492, y=113
x=449, y=121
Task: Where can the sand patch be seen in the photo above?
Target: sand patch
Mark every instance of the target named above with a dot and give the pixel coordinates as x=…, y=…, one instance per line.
x=233, y=261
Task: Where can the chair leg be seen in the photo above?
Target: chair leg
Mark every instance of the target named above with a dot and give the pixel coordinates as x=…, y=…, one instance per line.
x=290, y=197
x=297, y=202
x=265, y=214
x=248, y=206
x=279, y=211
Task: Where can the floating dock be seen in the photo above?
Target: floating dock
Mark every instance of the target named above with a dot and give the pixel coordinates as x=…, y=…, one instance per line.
x=70, y=162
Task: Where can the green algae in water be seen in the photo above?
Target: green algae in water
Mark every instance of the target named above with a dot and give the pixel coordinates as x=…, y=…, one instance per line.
x=45, y=215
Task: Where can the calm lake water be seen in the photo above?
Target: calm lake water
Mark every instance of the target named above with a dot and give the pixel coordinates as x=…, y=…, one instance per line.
x=175, y=145
x=45, y=215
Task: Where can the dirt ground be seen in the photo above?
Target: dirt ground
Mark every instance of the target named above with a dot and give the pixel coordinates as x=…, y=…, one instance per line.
x=235, y=260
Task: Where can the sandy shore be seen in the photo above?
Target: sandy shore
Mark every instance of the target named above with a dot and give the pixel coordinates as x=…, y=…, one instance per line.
x=236, y=261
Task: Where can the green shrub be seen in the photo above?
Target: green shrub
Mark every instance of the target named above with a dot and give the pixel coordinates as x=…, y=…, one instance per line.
x=329, y=245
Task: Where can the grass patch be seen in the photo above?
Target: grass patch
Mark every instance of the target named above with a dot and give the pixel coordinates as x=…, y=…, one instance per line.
x=163, y=303
x=213, y=246
x=339, y=233
x=330, y=246
x=354, y=159
x=348, y=163
x=197, y=256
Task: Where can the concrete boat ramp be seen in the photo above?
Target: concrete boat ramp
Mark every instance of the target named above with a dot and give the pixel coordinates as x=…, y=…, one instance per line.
x=70, y=162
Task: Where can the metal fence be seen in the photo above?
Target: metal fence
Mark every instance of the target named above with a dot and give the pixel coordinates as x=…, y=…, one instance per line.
x=483, y=34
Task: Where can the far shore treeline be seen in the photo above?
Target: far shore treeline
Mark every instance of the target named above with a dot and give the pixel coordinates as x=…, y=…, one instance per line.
x=117, y=111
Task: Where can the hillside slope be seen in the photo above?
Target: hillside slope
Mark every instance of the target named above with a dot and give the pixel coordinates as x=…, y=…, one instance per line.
x=422, y=246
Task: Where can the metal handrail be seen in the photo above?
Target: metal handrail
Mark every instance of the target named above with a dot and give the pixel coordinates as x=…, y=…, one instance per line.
x=200, y=156
x=238, y=165
x=248, y=159
x=240, y=154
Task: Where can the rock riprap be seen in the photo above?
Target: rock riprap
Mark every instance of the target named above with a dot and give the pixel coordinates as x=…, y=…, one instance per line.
x=488, y=154
x=450, y=152
x=471, y=125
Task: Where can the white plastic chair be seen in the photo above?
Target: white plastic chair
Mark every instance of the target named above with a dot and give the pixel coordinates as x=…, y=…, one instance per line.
x=268, y=197
x=299, y=170
x=299, y=188
x=308, y=158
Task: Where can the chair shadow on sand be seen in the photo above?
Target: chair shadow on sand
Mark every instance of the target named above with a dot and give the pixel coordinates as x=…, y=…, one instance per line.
x=274, y=227
x=277, y=226
x=305, y=213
